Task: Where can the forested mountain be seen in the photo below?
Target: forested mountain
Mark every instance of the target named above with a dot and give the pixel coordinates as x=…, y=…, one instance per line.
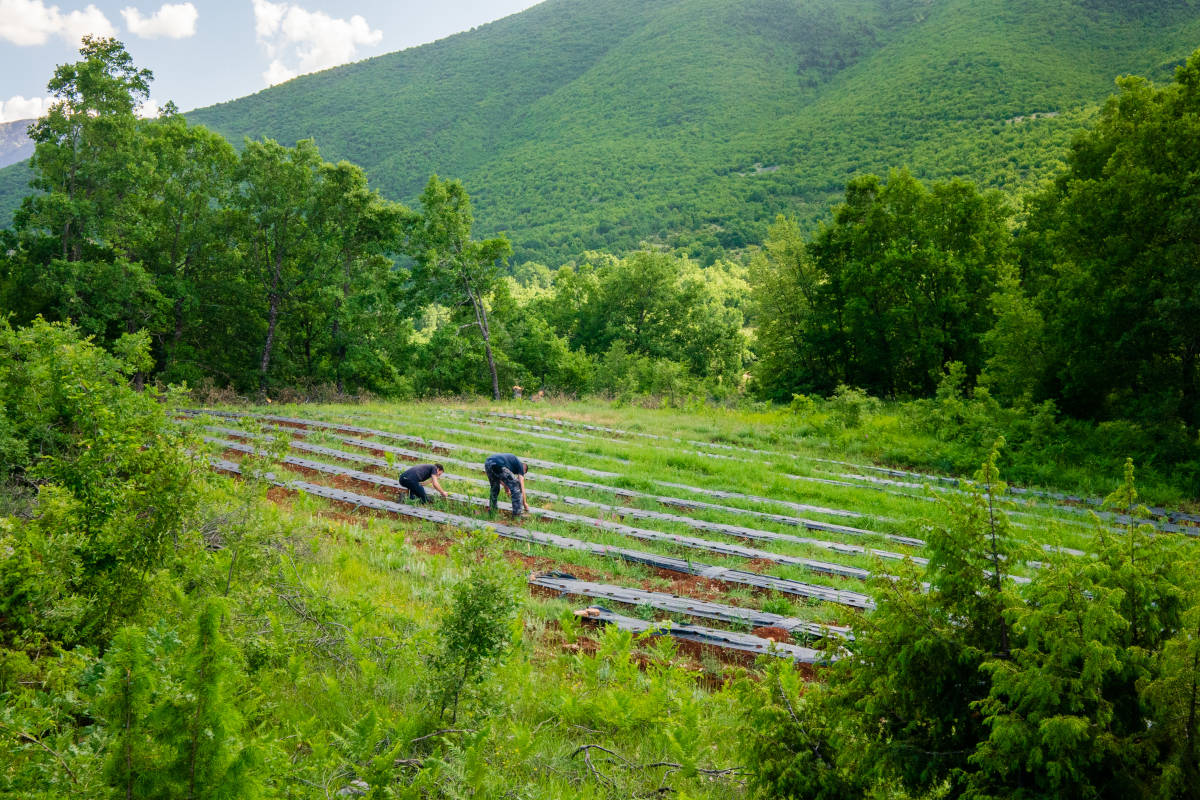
x=583, y=124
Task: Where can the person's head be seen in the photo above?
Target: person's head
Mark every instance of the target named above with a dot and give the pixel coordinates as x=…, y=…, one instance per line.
x=438, y=469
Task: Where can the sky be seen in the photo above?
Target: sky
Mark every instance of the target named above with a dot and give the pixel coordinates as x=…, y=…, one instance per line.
x=207, y=51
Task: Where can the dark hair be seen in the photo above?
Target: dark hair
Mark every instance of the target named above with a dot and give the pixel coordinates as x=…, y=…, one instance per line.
x=439, y=468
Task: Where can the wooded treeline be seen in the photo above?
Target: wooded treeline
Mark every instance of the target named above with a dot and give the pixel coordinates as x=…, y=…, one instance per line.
x=271, y=268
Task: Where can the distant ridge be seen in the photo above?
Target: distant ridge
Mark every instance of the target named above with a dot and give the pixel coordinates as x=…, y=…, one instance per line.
x=605, y=124
x=15, y=145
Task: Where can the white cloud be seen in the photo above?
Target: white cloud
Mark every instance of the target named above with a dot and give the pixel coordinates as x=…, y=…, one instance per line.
x=20, y=108
x=148, y=109
x=298, y=40
x=32, y=22
x=91, y=20
x=278, y=73
x=171, y=21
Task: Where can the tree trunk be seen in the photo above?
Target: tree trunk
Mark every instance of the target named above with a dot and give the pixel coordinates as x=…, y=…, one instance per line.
x=272, y=318
x=482, y=321
x=481, y=316
x=339, y=352
x=487, y=348
x=176, y=334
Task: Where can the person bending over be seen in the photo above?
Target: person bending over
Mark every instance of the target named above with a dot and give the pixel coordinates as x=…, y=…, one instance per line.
x=505, y=469
x=412, y=478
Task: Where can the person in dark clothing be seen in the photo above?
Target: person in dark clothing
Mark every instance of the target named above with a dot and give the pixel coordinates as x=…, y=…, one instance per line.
x=412, y=478
x=505, y=469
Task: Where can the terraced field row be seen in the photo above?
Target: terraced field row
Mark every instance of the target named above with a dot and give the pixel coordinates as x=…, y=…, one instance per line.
x=797, y=587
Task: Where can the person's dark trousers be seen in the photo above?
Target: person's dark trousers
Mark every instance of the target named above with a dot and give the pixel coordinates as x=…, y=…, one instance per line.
x=415, y=489
x=497, y=473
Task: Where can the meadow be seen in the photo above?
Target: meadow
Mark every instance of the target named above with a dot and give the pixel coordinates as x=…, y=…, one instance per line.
x=651, y=709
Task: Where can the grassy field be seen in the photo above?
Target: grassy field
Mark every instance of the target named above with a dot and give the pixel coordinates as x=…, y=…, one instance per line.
x=665, y=484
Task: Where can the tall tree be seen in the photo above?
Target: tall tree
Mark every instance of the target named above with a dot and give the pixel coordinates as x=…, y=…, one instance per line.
x=1115, y=260
x=918, y=668
x=357, y=229
x=178, y=233
x=88, y=166
x=909, y=271
x=791, y=337
x=277, y=192
x=451, y=268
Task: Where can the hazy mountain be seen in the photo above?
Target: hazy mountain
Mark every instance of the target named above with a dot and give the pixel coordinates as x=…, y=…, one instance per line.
x=15, y=145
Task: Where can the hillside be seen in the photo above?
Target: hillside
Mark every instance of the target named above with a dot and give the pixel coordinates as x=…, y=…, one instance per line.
x=583, y=125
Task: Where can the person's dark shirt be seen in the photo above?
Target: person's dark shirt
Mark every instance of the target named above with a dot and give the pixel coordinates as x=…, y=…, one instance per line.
x=512, y=462
x=419, y=473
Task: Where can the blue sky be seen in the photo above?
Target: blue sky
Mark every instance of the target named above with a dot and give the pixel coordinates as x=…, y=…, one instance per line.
x=207, y=51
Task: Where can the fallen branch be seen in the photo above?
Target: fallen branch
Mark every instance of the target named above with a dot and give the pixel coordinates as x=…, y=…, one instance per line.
x=670, y=766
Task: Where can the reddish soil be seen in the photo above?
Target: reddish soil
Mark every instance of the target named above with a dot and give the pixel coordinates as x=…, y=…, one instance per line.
x=545, y=564
x=348, y=519
x=691, y=585
x=774, y=634
x=280, y=496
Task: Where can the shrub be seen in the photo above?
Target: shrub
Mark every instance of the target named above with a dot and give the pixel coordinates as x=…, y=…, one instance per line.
x=477, y=631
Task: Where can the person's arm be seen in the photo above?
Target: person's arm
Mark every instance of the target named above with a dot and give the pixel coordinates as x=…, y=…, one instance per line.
x=524, y=494
x=438, y=486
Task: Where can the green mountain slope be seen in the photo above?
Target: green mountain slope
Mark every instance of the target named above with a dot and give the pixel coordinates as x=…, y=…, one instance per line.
x=584, y=124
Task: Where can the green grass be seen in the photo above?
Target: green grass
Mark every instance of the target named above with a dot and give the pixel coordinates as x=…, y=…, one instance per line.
x=374, y=586
x=643, y=462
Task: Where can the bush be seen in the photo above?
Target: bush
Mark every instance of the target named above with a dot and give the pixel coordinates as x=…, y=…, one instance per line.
x=114, y=481
x=477, y=631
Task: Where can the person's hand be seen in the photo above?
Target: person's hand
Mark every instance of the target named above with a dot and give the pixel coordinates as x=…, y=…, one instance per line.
x=526, y=506
x=445, y=495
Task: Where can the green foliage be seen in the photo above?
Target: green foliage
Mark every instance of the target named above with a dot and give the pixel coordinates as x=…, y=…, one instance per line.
x=1109, y=261
x=451, y=268
x=477, y=630
x=789, y=735
x=693, y=124
x=201, y=725
x=115, y=485
x=126, y=696
x=1070, y=710
x=885, y=296
x=917, y=671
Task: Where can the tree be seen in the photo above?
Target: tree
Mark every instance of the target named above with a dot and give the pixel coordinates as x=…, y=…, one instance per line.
x=275, y=211
x=451, y=268
x=904, y=275
x=126, y=699
x=1069, y=714
x=477, y=629
x=357, y=229
x=791, y=337
x=178, y=235
x=114, y=479
x=651, y=304
x=790, y=736
x=201, y=724
x=917, y=673
x=89, y=167
x=1113, y=257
